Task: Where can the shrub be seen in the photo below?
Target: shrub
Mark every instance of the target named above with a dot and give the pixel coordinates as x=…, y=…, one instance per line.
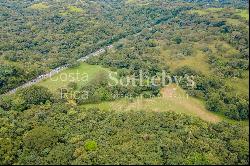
x=40, y=138
x=90, y=145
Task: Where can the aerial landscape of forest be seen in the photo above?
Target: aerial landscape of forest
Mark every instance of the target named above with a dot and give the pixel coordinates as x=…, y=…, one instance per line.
x=124, y=82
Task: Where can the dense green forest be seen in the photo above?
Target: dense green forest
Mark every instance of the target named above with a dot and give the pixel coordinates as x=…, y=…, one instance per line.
x=62, y=134
x=206, y=40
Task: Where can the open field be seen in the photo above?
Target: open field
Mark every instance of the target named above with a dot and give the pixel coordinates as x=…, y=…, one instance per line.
x=75, y=9
x=217, y=13
x=206, y=11
x=80, y=75
x=39, y=6
x=173, y=99
x=137, y=2
x=243, y=13
x=68, y=10
x=240, y=86
x=197, y=62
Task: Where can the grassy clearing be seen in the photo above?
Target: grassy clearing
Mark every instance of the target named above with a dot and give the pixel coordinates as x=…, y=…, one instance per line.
x=71, y=10
x=39, y=6
x=243, y=13
x=205, y=11
x=75, y=9
x=218, y=14
x=240, y=86
x=199, y=12
x=80, y=75
x=173, y=99
x=197, y=61
x=222, y=49
x=234, y=22
x=137, y=2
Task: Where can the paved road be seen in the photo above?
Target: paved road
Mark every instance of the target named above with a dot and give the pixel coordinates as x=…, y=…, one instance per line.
x=61, y=68
x=57, y=70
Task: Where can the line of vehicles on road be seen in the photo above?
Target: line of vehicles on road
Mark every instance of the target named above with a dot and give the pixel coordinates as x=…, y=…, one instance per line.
x=58, y=70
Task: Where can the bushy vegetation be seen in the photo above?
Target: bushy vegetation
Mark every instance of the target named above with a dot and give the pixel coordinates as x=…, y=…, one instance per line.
x=50, y=134
x=58, y=32
x=207, y=40
x=149, y=29
x=223, y=47
x=25, y=98
x=101, y=88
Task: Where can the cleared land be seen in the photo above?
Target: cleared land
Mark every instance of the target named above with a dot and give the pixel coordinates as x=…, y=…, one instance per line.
x=243, y=13
x=217, y=13
x=173, y=99
x=138, y=2
x=239, y=86
x=199, y=62
x=39, y=6
x=80, y=75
